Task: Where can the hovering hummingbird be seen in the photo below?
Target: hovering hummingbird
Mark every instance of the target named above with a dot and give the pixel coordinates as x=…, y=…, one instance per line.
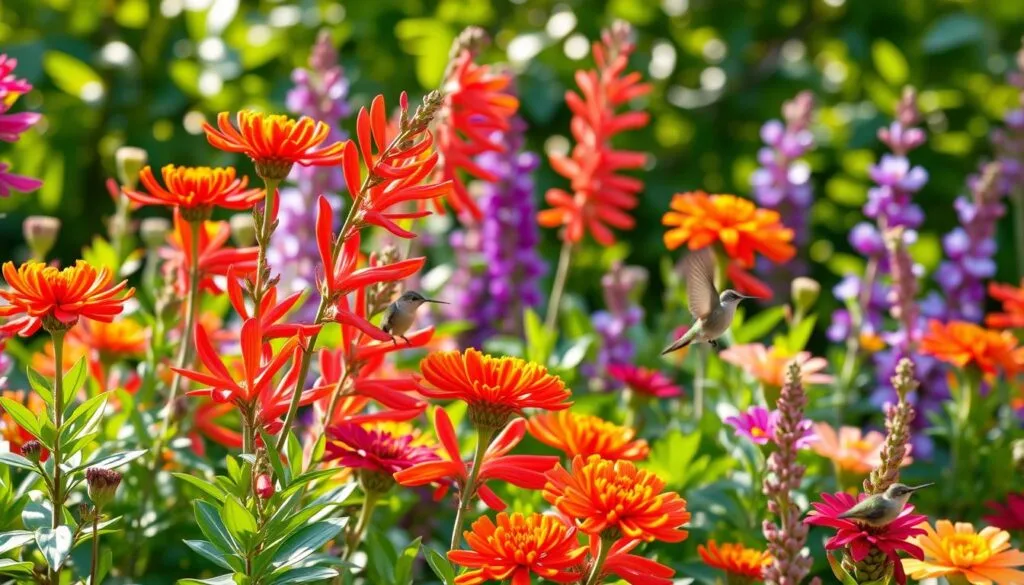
x=400, y=315
x=712, y=312
x=881, y=509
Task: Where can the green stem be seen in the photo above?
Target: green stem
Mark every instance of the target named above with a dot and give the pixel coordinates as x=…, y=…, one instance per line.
x=603, y=548
x=248, y=445
x=119, y=223
x=558, y=285
x=333, y=404
x=266, y=231
x=95, y=547
x=365, y=514
x=483, y=441
x=58, y=421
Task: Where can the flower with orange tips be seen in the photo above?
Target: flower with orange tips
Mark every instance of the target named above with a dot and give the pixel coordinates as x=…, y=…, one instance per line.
x=113, y=341
x=495, y=388
x=215, y=258
x=960, y=554
x=195, y=190
x=10, y=432
x=582, y=434
x=645, y=381
x=53, y=298
x=699, y=220
x=768, y=365
x=850, y=450
x=519, y=546
x=616, y=498
x=965, y=344
x=735, y=559
x=275, y=142
x=1012, y=299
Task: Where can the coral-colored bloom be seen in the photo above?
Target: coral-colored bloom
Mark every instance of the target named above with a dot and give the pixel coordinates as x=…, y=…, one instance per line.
x=982, y=558
x=965, y=344
x=616, y=496
x=492, y=386
x=735, y=559
x=113, y=341
x=746, y=283
x=215, y=259
x=195, y=189
x=275, y=139
x=10, y=432
x=758, y=423
x=41, y=293
x=525, y=471
x=644, y=381
x=601, y=196
x=743, y=229
x=582, y=434
x=633, y=569
x=768, y=366
x=860, y=539
x=1008, y=516
x=375, y=449
x=851, y=450
x=516, y=547
x=1012, y=299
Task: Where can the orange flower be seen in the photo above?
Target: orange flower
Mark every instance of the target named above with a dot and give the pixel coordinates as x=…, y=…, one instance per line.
x=966, y=344
x=1012, y=299
x=768, y=366
x=851, y=450
x=215, y=259
x=517, y=547
x=735, y=559
x=195, y=190
x=980, y=558
x=275, y=142
x=121, y=339
x=10, y=432
x=582, y=434
x=495, y=388
x=616, y=497
x=43, y=295
x=743, y=229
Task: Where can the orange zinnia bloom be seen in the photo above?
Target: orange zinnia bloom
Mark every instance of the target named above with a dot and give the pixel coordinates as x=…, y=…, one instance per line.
x=517, y=547
x=43, y=295
x=735, y=559
x=980, y=558
x=495, y=388
x=966, y=344
x=582, y=434
x=275, y=141
x=10, y=432
x=851, y=450
x=1012, y=299
x=196, y=190
x=616, y=496
x=743, y=229
x=769, y=365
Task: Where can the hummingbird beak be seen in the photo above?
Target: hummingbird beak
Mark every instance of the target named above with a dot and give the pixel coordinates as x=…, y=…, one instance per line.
x=435, y=301
x=923, y=485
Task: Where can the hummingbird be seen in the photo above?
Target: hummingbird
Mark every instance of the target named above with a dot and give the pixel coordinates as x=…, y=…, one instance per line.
x=400, y=315
x=712, y=312
x=881, y=509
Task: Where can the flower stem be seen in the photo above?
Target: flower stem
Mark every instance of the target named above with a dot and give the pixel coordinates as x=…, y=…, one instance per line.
x=365, y=514
x=603, y=548
x=483, y=441
x=95, y=547
x=57, y=512
x=263, y=236
x=558, y=285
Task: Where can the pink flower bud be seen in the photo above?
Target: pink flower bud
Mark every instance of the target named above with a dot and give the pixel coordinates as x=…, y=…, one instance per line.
x=264, y=487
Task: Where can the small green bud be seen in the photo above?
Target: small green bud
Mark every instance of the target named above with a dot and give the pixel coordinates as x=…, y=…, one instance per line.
x=32, y=451
x=129, y=161
x=102, y=485
x=805, y=292
x=153, y=231
x=41, y=233
x=243, y=229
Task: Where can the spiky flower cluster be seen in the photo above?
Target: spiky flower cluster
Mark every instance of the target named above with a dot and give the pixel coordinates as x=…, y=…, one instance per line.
x=898, y=418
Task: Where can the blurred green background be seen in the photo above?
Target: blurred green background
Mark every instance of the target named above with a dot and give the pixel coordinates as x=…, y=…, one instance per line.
x=148, y=72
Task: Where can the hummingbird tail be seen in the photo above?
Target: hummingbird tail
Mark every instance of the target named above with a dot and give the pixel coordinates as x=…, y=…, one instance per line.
x=677, y=345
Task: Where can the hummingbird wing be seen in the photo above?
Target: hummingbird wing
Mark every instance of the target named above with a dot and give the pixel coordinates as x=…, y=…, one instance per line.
x=699, y=268
x=865, y=510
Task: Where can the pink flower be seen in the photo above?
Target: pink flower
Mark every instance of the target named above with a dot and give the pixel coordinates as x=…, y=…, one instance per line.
x=10, y=181
x=1008, y=516
x=9, y=84
x=12, y=125
x=375, y=449
x=768, y=365
x=643, y=381
x=758, y=424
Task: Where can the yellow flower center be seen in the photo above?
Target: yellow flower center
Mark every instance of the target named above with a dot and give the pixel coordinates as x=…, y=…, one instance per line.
x=757, y=432
x=862, y=446
x=966, y=550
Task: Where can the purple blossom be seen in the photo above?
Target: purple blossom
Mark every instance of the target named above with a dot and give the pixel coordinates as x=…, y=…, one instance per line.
x=758, y=425
x=1009, y=141
x=622, y=287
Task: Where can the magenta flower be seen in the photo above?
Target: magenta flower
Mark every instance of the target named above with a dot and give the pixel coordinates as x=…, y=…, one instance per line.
x=1008, y=516
x=758, y=424
x=10, y=181
x=12, y=125
x=375, y=450
x=859, y=539
x=9, y=84
x=644, y=381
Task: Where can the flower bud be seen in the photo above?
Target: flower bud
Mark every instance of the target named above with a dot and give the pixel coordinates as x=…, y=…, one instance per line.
x=243, y=229
x=32, y=451
x=129, y=161
x=264, y=486
x=1018, y=455
x=102, y=485
x=153, y=231
x=805, y=292
x=41, y=233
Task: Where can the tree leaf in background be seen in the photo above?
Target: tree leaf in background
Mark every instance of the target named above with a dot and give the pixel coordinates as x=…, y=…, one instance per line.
x=429, y=40
x=890, y=62
x=74, y=77
x=952, y=31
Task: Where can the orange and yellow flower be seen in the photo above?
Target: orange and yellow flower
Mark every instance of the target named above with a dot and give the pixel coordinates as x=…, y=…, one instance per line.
x=195, y=190
x=616, y=498
x=494, y=387
x=44, y=295
x=850, y=449
x=582, y=434
x=981, y=558
x=768, y=365
x=965, y=344
x=743, y=229
x=735, y=559
x=1012, y=299
x=10, y=432
x=518, y=546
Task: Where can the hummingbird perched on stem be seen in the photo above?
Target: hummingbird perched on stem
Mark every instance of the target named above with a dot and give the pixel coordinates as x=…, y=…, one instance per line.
x=400, y=315
x=881, y=509
x=712, y=312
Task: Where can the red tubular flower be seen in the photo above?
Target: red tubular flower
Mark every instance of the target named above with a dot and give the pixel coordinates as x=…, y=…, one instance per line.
x=477, y=105
x=859, y=539
x=746, y=283
x=375, y=450
x=399, y=394
x=633, y=569
x=214, y=258
x=1012, y=299
x=525, y=471
x=195, y=189
x=600, y=196
x=271, y=312
x=206, y=422
x=646, y=382
x=1008, y=516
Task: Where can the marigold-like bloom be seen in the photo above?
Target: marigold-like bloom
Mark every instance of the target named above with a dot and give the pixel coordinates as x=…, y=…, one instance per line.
x=965, y=344
x=43, y=295
x=275, y=142
x=743, y=229
x=215, y=258
x=644, y=381
x=494, y=387
x=859, y=540
x=768, y=366
x=375, y=449
x=195, y=190
x=113, y=341
x=758, y=424
x=615, y=496
x=982, y=558
x=1008, y=516
x=10, y=432
x=1012, y=299
x=582, y=434
x=735, y=559
x=850, y=450
x=516, y=547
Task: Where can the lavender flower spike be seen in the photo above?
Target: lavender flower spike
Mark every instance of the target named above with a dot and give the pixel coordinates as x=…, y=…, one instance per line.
x=622, y=285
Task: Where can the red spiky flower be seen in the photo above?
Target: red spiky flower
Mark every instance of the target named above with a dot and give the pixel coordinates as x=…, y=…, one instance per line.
x=215, y=257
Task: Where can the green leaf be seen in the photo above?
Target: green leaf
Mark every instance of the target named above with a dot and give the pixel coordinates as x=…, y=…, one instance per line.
x=403, y=569
x=106, y=561
x=213, y=528
x=759, y=325
x=75, y=378
x=37, y=515
x=890, y=62
x=113, y=461
x=73, y=76
x=576, y=353
x=799, y=335
x=207, y=550
x=22, y=416
x=294, y=449
x=221, y=580
x=441, y=566
x=304, y=575
x=41, y=385
x=952, y=31
x=13, y=567
x=282, y=473
x=206, y=487
x=381, y=557
x=539, y=341
x=55, y=544
x=14, y=539
x=838, y=570
x=83, y=420
x=238, y=520
x=18, y=461
x=307, y=541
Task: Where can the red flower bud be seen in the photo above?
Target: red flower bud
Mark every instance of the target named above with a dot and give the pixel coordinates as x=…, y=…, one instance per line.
x=264, y=486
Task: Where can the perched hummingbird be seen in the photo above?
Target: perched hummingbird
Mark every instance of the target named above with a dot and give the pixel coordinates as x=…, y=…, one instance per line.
x=400, y=315
x=712, y=312
x=881, y=509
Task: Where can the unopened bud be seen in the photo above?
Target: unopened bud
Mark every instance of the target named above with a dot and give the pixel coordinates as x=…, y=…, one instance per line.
x=243, y=229
x=1018, y=455
x=32, y=451
x=129, y=161
x=805, y=292
x=153, y=231
x=264, y=486
x=102, y=485
x=41, y=233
